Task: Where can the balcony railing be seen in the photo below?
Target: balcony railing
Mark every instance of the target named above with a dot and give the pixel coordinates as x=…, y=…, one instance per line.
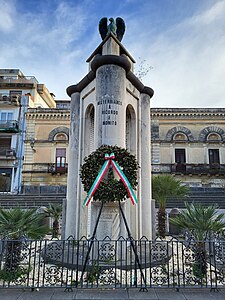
x=45, y=168
x=190, y=169
x=18, y=79
x=54, y=169
x=8, y=153
x=9, y=126
x=10, y=99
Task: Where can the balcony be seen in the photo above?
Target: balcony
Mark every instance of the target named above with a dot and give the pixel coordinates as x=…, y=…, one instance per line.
x=54, y=169
x=10, y=99
x=17, y=82
x=189, y=169
x=9, y=126
x=45, y=168
x=18, y=79
x=7, y=153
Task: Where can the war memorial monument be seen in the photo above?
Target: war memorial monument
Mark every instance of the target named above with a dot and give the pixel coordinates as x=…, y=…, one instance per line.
x=109, y=106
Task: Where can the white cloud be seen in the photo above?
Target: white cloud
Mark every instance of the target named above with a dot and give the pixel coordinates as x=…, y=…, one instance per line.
x=188, y=58
x=43, y=44
x=188, y=61
x=6, y=16
x=211, y=15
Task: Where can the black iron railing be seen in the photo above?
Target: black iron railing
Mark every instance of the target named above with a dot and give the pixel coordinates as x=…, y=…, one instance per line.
x=8, y=152
x=188, y=169
x=51, y=168
x=111, y=264
x=58, y=169
x=9, y=126
x=11, y=99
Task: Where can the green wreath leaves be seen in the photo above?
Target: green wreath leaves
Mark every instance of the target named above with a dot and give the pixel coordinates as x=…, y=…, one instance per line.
x=110, y=189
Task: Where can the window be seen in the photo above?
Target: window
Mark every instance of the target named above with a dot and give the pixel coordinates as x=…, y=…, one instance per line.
x=180, y=160
x=5, y=144
x=61, y=137
x=15, y=93
x=5, y=180
x=6, y=116
x=180, y=137
x=214, y=137
x=60, y=159
x=214, y=157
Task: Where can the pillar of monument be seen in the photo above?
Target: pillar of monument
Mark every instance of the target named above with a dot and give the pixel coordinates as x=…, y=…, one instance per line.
x=110, y=93
x=72, y=206
x=145, y=162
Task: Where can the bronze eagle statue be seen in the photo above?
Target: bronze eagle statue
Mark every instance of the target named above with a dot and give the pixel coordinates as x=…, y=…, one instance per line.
x=117, y=28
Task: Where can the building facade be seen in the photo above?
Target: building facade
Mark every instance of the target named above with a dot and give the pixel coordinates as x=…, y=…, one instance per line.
x=46, y=155
x=34, y=133
x=17, y=94
x=190, y=143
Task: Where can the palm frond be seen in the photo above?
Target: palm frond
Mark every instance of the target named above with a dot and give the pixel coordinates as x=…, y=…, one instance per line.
x=200, y=220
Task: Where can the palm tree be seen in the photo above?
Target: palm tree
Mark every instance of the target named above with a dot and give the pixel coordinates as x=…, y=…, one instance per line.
x=201, y=222
x=15, y=225
x=55, y=212
x=164, y=187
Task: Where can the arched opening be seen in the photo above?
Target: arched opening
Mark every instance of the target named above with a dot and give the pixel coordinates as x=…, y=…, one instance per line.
x=61, y=137
x=131, y=129
x=89, y=129
x=213, y=137
x=180, y=137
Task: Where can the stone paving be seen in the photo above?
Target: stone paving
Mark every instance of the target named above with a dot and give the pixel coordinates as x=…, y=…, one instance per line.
x=152, y=294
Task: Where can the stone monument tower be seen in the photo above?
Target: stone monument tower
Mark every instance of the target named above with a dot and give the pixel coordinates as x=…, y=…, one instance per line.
x=109, y=106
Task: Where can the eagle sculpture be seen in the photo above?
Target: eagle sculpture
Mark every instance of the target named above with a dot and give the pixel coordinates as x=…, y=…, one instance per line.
x=117, y=28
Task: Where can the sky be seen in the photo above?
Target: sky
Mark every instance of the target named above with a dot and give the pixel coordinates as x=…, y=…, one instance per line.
x=179, y=44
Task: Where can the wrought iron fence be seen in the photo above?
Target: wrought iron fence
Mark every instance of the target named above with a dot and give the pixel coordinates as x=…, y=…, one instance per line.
x=111, y=263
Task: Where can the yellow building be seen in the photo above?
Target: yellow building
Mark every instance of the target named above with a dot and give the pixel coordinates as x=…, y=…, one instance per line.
x=190, y=143
x=45, y=161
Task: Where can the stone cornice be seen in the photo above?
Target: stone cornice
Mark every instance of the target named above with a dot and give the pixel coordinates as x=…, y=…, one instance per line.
x=101, y=60
x=46, y=113
x=186, y=113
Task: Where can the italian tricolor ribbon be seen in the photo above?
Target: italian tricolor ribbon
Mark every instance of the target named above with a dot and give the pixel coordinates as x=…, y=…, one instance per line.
x=110, y=162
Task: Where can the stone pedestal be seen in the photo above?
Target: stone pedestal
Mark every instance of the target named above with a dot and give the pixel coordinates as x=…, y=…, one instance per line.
x=110, y=223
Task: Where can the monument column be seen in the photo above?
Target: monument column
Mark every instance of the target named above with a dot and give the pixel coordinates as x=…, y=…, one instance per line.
x=110, y=106
x=146, y=216
x=110, y=98
x=73, y=205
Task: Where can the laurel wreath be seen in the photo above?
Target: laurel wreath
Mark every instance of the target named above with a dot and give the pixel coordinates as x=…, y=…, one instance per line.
x=110, y=189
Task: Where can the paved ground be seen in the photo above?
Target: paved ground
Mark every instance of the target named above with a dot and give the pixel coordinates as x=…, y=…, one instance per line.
x=152, y=294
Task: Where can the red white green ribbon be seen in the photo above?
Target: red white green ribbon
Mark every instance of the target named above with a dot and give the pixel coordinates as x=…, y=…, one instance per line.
x=110, y=161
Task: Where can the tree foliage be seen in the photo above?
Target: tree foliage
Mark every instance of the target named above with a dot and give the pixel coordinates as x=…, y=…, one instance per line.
x=200, y=221
x=164, y=187
x=16, y=223
x=55, y=212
